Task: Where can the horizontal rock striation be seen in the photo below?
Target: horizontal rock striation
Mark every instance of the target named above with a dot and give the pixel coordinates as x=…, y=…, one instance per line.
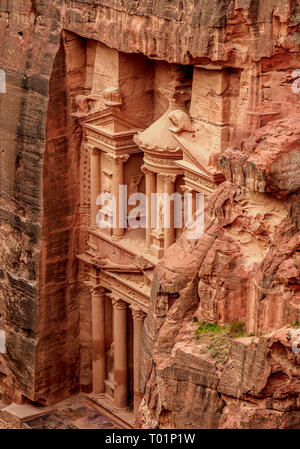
x=245, y=267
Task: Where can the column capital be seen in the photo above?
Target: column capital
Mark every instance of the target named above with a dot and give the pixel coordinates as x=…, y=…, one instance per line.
x=97, y=290
x=118, y=303
x=121, y=159
x=146, y=170
x=187, y=189
x=92, y=149
x=138, y=314
x=167, y=178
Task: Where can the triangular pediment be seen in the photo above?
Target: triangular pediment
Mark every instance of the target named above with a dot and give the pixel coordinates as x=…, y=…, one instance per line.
x=193, y=153
x=112, y=121
x=187, y=157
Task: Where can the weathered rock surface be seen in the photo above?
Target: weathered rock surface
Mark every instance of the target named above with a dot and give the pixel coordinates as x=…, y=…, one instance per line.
x=185, y=386
x=245, y=267
x=268, y=161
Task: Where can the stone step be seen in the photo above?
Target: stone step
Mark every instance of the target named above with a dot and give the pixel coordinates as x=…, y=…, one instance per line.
x=20, y=413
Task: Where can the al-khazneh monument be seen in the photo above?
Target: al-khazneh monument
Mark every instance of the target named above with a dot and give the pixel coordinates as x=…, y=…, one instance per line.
x=192, y=96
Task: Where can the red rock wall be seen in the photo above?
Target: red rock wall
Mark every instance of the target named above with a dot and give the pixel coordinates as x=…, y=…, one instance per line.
x=244, y=268
x=58, y=349
x=223, y=277
x=40, y=164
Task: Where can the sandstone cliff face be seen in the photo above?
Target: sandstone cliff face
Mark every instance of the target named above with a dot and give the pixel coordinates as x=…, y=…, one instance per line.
x=229, y=274
x=244, y=268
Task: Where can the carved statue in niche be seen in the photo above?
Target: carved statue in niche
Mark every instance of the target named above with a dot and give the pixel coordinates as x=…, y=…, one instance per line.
x=107, y=188
x=133, y=187
x=109, y=362
x=106, y=212
x=160, y=223
x=134, y=182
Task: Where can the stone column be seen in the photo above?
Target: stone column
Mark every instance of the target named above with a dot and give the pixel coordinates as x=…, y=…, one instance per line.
x=98, y=335
x=138, y=321
x=117, y=180
x=94, y=182
x=120, y=353
x=169, y=188
x=157, y=246
x=150, y=188
x=187, y=189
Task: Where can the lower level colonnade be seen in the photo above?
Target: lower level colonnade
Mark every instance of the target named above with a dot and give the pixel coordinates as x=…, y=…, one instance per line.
x=124, y=317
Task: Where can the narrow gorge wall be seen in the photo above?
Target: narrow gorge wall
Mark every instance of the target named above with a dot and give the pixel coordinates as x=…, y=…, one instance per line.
x=229, y=274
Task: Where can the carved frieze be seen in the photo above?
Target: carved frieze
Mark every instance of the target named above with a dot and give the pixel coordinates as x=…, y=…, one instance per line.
x=129, y=294
x=201, y=181
x=155, y=161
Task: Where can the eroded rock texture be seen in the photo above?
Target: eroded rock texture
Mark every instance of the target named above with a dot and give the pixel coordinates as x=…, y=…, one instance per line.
x=245, y=267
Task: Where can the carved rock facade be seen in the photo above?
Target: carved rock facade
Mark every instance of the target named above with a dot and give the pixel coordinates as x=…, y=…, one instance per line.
x=166, y=97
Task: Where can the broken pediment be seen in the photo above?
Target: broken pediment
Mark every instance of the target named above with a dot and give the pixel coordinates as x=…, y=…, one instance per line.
x=158, y=136
x=112, y=131
x=111, y=121
x=199, y=156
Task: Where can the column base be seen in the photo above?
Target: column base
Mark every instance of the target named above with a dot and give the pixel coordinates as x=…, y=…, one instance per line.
x=123, y=418
x=116, y=237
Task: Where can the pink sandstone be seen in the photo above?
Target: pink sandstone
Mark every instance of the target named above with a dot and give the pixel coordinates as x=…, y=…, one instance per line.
x=88, y=87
